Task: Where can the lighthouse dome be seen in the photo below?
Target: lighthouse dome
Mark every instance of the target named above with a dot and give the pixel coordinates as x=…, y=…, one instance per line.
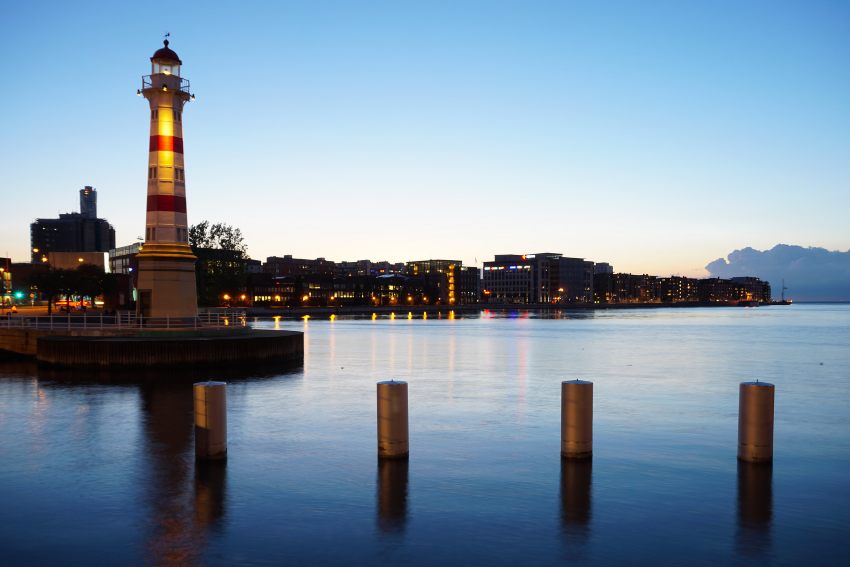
x=165, y=54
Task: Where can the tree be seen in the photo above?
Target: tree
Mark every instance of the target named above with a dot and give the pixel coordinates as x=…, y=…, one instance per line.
x=49, y=284
x=218, y=236
x=85, y=281
x=222, y=256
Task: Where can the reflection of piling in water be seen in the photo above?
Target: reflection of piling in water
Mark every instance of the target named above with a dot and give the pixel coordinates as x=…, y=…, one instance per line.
x=392, y=420
x=167, y=425
x=576, y=419
x=755, y=506
x=392, y=494
x=755, y=422
x=210, y=420
x=210, y=492
x=575, y=492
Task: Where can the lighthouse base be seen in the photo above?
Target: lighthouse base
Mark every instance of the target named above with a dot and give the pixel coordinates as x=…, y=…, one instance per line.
x=166, y=284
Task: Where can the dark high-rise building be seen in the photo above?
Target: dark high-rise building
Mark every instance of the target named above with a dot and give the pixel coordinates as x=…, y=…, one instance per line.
x=72, y=232
x=88, y=202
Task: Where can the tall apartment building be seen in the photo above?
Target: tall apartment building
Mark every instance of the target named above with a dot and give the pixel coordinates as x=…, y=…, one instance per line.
x=72, y=232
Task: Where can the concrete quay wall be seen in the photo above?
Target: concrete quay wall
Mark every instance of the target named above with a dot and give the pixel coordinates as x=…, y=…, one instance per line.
x=24, y=341
x=251, y=347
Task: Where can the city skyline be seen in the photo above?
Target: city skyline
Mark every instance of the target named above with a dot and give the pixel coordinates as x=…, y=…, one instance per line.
x=657, y=138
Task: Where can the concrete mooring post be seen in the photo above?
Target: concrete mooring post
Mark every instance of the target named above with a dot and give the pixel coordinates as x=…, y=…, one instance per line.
x=393, y=440
x=576, y=419
x=210, y=420
x=755, y=422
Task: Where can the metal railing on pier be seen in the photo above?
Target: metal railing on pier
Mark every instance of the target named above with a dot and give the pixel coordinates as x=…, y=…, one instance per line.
x=219, y=319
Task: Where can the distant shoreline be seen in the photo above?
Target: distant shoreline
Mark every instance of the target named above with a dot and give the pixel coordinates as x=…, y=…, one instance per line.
x=476, y=308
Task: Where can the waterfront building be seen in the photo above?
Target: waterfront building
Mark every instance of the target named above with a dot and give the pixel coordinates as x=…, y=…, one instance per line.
x=603, y=268
x=739, y=289
x=545, y=277
x=678, y=289
x=440, y=274
x=754, y=289
x=354, y=290
x=575, y=281
x=289, y=266
x=166, y=280
x=633, y=288
x=468, y=285
x=72, y=232
x=356, y=268
x=625, y=288
x=253, y=266
x=510, y=278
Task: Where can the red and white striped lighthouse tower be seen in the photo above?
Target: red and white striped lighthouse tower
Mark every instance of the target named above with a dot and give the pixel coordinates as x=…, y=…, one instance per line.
x=166, y=282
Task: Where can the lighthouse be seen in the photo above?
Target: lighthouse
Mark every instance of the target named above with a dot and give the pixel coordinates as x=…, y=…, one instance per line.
x=166, y=279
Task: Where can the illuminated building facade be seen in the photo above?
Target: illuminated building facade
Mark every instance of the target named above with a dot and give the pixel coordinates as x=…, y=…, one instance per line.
x=5, y=281
x=166, y=264
x=510, y=278
x=545, y=277
x=442, y=274
x=678, y=289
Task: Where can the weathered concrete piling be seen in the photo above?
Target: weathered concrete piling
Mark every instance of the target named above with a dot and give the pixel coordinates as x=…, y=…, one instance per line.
x=755, y=422
x=576, y=419
x=210, y=420
x=393, y=440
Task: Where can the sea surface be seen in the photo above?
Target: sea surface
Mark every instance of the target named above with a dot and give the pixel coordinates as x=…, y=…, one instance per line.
x=99, y=469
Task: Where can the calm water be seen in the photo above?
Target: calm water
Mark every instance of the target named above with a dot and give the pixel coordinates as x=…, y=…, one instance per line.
x=100, y=470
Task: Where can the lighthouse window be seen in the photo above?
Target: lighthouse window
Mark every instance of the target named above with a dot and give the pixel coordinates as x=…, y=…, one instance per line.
x=152, y=172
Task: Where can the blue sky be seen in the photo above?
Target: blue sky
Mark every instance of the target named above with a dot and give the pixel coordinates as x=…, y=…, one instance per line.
x=657, y=136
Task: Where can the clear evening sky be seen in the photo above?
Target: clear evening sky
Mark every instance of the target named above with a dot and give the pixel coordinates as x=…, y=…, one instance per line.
x=657, y=136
